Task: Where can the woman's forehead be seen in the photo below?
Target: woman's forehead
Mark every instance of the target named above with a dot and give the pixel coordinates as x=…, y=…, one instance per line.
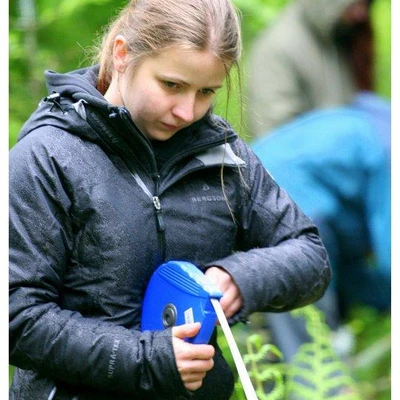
x=199, y=67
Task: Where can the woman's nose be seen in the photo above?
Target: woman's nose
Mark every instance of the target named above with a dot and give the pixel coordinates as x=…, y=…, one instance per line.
x=184, y=109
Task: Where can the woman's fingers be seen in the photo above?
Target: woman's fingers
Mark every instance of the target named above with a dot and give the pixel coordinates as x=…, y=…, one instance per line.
x=186, y=330
x=231, y=301
x=193, y=374
x=231, y=305
x=192, y=360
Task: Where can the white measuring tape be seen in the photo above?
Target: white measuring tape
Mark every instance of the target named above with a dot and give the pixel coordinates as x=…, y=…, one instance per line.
x=237, y=358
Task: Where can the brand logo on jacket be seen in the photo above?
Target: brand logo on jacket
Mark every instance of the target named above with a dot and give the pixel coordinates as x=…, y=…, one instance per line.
x=198, y=199
x=207, y=197
x=113, y=358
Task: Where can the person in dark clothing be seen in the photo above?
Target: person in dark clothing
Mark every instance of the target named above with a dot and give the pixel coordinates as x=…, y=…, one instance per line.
x=122, y=167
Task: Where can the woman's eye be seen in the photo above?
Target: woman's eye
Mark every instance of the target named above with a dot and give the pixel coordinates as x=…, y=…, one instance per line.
x=207, y=91
x=170, y=85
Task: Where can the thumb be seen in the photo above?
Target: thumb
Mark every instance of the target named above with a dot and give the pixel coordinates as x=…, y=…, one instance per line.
x=186, y=330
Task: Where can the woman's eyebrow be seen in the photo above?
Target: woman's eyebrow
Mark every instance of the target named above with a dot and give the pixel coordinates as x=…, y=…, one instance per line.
x=176, y=79
x=173, y=78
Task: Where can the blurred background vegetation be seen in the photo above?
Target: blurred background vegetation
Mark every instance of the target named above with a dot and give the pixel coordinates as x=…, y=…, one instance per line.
x=58, y=35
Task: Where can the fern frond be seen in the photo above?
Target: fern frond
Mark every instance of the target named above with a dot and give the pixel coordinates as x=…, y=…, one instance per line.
x=262, y=370
x=316, y=372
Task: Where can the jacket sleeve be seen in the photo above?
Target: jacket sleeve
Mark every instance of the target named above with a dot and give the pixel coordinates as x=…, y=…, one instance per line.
x=280, y=263
x=57, y=343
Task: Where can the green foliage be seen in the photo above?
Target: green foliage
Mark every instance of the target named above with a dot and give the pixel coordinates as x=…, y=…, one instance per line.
x=381, y=22
x=263, y=363
x=371, y=361
x=58, y=36
x=262, y=371
x=316, y=372
x=257, y=15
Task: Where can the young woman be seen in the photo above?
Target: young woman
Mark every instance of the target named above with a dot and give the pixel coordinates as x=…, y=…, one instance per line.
x=122, y=167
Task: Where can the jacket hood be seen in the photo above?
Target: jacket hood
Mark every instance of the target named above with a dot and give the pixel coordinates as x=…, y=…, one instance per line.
x=76, y=106
x=63, y=107
x=322, y=15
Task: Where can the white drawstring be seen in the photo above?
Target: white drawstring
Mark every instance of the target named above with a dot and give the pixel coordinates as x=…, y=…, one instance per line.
x=52, y=393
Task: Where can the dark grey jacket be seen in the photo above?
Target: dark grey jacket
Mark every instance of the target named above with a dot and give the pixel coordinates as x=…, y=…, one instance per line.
x=91, y=217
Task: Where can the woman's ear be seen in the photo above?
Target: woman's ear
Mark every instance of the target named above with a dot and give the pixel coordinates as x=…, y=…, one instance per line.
x=120, y=53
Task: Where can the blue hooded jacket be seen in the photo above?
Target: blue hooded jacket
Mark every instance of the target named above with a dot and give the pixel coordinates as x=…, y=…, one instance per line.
x=335, y=164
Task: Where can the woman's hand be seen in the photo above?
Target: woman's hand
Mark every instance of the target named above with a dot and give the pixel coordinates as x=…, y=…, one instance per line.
x=231, y=301
x=192, y=360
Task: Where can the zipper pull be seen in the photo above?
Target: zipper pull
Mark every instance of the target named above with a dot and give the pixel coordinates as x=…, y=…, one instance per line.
x=160, y=220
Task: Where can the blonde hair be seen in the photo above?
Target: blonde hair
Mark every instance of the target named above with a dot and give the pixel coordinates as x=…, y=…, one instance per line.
x=150, y=26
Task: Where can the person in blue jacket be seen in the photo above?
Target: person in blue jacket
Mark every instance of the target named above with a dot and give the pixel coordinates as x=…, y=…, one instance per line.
x=122, y=167
x=335, y=164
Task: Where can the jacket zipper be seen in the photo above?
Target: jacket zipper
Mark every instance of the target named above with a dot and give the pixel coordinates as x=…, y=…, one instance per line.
x=124, y=115
x=159, y=223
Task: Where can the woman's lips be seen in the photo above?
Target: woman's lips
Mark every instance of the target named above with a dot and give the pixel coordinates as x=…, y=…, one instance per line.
x=170, y=127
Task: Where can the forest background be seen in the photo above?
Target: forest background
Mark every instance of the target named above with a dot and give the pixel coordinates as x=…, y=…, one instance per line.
x=58, y=35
